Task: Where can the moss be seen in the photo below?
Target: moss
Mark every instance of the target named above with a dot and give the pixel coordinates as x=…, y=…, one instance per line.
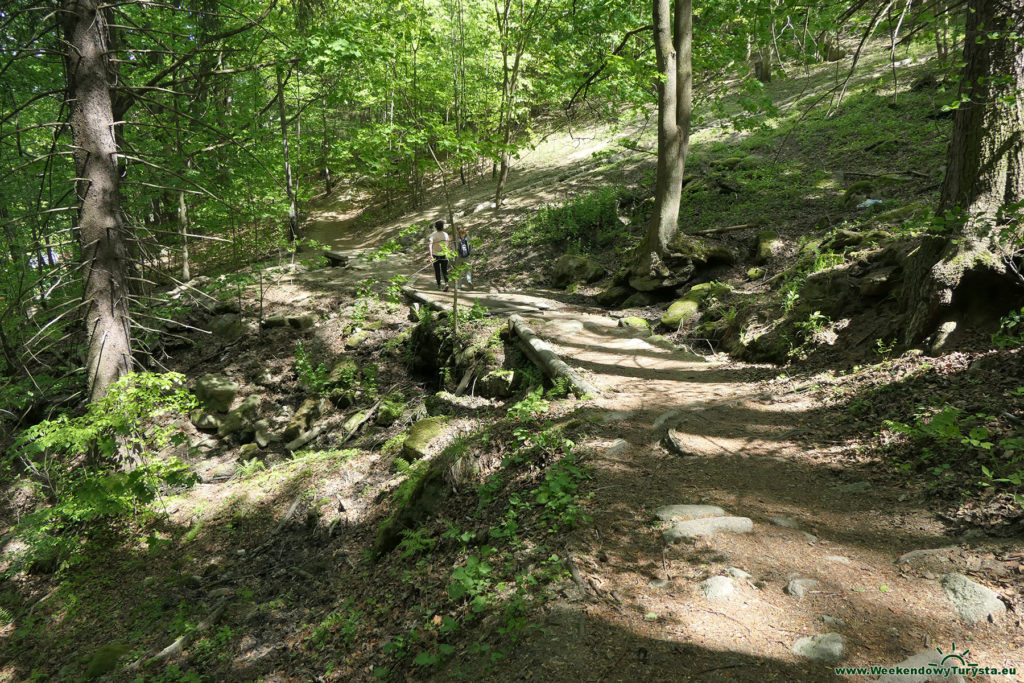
x=728, y=163
x=755, y=273
x=420, y=437
x=635, y=323
x=768, y=244
x=858, y=192
x=105, y=660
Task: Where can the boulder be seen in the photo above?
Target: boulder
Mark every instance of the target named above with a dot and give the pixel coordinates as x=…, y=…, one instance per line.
x=716, y=587
x=276, y=320
x=755, y=273
x=496, y=384
x=685, y=309
x=614, y=295
x=307, y=413
x=639, y=300
x=303, y=322
x=421, y=435
x=973, y=602
x=242, y=419
x=798, y=587
x=355, y=340
x=827, y=647
x=248, y=452
x=205, y=420
x=215, y=392
x=227, y=328
x=768, y=246
x=390, y=411
x=635, y=323
x=681, y=513
x=695, y=528
x=262, y=434
x=720, y=255
x=572, y=268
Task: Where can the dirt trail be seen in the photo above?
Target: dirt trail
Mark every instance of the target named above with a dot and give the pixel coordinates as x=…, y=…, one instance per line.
x=757, y=453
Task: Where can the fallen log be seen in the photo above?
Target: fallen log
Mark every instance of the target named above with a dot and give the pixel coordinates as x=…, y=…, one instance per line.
x=542, y=355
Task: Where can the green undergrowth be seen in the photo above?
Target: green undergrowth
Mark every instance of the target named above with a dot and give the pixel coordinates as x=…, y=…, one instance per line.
x=487, y=560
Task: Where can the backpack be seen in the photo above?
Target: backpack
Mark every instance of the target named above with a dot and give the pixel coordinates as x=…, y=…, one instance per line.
x=462, y=243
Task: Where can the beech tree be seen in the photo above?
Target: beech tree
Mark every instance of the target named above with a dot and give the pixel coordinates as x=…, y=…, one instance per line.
x=673, y=43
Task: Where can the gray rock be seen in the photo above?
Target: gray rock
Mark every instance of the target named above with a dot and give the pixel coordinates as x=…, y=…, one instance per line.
x=827, y=647
x=262, y=434
x=614, y=416
x=695, y=528
x=241, y=419
x=664, y=418
x=832, y=621
x=785, y=522
x=617, y=447
x=307, y=413
x=737, y=573
x=919, y=661
x=639, y=300
x=810, y=538
x=798, y=587
x=303, y=322
x=658, y=583
x=716, y=588
x=216, y=392
x=228, y=327
x=837, y=559
x=496, y=384
x=909, y=558
x=356, y=340
x=681, y=513
x=205, y=420
x=973, y=602
x=575, y=268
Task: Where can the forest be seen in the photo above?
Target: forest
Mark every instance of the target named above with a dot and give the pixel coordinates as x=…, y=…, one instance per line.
x=511, y=340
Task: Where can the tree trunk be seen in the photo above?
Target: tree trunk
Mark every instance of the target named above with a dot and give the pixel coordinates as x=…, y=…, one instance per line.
x=293, y=216
x=674, y=107
x=984, y=172
x=101, y=231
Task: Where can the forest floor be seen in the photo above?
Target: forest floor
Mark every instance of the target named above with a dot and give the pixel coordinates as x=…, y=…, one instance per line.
x=268, y=564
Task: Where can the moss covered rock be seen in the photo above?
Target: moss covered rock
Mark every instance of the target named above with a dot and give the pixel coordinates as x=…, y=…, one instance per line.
x=687, y=308
x=420, y=436
x=496, y=384
x=572, y=268
x=216, y=392
x=614, y=295
x=104, y=660
x=635, y=323
x=768, y=246
x=390, y=411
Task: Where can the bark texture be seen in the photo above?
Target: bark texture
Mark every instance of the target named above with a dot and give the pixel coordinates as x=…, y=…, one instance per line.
x=946, y=279
x=101, y=231
x=663, y=260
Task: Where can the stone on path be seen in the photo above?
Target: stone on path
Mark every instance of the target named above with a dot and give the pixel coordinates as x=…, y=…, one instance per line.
x=709, y=526
x=665, y=417
x=716, y=588
x=837, y=559
x=798, y=587
x=421, y=435
x=681, y=513
x=907, y=558
x=737, y=573
x=617, y=447
x=785, y=522
x=973, y=602
x=827, y=647
x=302, y=322
x=919, y=661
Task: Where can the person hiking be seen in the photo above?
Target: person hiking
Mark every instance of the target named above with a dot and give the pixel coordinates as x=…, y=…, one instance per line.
x=438, y=246
x=462, y=248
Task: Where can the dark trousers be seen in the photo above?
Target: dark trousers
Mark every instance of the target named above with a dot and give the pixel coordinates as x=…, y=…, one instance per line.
x=441, y=269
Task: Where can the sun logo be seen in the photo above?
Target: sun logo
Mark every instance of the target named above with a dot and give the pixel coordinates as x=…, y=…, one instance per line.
x=958, y=658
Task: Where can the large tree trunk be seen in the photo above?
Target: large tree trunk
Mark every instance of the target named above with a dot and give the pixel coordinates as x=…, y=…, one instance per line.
x=984, y=172
x=674, y=50
x=293, y=216
x=101, y=231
